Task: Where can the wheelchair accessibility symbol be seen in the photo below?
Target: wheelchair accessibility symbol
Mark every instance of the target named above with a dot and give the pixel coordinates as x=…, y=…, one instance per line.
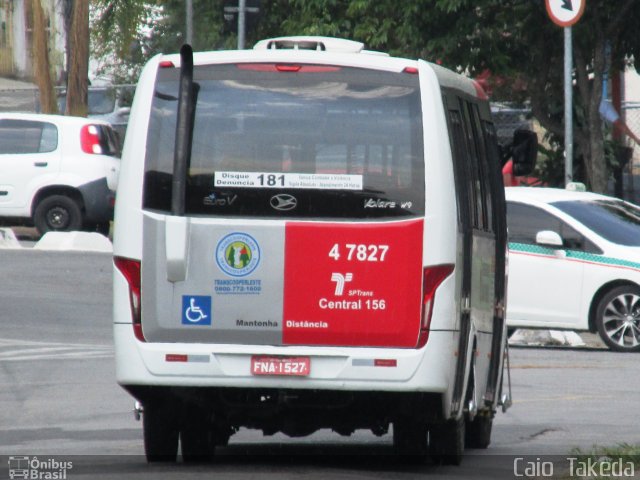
x=196, y=310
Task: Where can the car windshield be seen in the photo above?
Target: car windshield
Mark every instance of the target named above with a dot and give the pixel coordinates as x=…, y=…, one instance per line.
x=100, y=102
x=614, y=220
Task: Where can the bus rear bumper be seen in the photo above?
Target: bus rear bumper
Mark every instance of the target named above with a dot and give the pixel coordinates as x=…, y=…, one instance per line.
x=331, y=368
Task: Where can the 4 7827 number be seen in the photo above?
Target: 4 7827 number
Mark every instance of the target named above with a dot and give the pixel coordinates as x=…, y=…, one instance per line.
x=359, y=252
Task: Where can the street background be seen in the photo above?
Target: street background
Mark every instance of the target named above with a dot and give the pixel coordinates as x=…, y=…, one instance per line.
x=58, y=394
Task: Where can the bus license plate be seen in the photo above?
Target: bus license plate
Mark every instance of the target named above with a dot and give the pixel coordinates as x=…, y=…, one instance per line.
x=290, y=366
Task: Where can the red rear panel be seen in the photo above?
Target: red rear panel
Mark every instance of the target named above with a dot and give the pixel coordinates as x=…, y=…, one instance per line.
x=353, y=284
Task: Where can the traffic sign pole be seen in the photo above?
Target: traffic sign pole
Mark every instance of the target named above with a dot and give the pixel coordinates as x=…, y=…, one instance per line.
x=565, y=13
x=568, y=106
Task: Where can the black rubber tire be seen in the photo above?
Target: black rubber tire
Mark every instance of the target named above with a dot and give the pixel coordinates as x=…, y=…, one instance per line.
x=446, y=442
x=618, y=318
x=196, y=436
x=478, y=432
x=57, y=213
x=160, y=432
x=410, y=439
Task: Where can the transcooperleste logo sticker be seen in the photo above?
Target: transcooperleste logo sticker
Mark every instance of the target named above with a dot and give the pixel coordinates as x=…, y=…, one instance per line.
x=238, y=254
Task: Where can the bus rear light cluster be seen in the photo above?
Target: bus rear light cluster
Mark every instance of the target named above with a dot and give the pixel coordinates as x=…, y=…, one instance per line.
x=432, y=279
x=287, y=67
x=130, y=269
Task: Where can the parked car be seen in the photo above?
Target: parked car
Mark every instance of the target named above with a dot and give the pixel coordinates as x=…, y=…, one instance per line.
x=574, y=264
x=58, y=173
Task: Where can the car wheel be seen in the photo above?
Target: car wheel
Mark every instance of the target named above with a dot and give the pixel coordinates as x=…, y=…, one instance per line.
x=618, y=319
x=57, y=213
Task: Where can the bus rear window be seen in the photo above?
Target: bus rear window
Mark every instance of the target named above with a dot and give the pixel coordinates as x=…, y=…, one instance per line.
x=334, y=142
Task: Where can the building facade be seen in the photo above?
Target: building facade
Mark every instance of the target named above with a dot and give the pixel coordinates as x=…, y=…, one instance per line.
x=16, y=27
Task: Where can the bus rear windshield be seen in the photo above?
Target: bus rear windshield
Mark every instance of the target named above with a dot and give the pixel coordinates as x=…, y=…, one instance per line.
x=309, y=142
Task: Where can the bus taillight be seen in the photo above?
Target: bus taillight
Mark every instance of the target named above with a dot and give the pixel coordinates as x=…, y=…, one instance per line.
x=131, y=271
x=432, y=279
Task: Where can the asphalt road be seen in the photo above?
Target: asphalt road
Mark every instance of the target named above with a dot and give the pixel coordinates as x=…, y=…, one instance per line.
x=59, y=399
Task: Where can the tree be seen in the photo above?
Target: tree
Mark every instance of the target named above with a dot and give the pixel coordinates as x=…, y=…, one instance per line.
x=78, y=70
x=76, y=19
x=616, y=24
x=514, y=39
x=117, y=34
x=126, y=33
x=532, y=50
x=42, y=65
x=169, y=31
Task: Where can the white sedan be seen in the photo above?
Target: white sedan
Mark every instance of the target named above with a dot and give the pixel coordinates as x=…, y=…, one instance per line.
x=574, y=264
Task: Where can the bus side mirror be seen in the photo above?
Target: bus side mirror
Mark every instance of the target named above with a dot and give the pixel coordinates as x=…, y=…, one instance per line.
x=524, y=151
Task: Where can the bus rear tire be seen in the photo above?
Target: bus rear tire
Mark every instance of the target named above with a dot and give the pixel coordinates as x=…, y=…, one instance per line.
x=410, y=439
x=478, y=432
x=160, y=432
x=446, y=442
x=196, y=437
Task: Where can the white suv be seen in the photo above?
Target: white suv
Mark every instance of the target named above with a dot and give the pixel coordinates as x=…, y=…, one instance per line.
x=58, y=172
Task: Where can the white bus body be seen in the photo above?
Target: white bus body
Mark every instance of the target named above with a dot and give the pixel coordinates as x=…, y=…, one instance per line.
x=335, y=258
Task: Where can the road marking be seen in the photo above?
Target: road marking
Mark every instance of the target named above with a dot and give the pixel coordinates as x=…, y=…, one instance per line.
x=564, y=398
x=563, y=367
x=15, y=350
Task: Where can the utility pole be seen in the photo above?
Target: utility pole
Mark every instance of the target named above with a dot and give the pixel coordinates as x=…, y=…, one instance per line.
x=189, y=16
x=568, y=106
x=242, y=11
x=242, y=24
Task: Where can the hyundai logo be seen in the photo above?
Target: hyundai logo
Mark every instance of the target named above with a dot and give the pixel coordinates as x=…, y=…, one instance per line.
x=284, y=202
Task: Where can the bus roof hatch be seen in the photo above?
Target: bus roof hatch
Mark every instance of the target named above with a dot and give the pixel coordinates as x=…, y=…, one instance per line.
x=328, y=44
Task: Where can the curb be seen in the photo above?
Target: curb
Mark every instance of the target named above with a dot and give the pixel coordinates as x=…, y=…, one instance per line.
x=8, y=239
x=78, y=241
x=546, y=337
x=523, y=337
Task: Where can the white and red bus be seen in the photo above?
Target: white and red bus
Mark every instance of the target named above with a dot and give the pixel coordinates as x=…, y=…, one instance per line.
x=310, y=235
